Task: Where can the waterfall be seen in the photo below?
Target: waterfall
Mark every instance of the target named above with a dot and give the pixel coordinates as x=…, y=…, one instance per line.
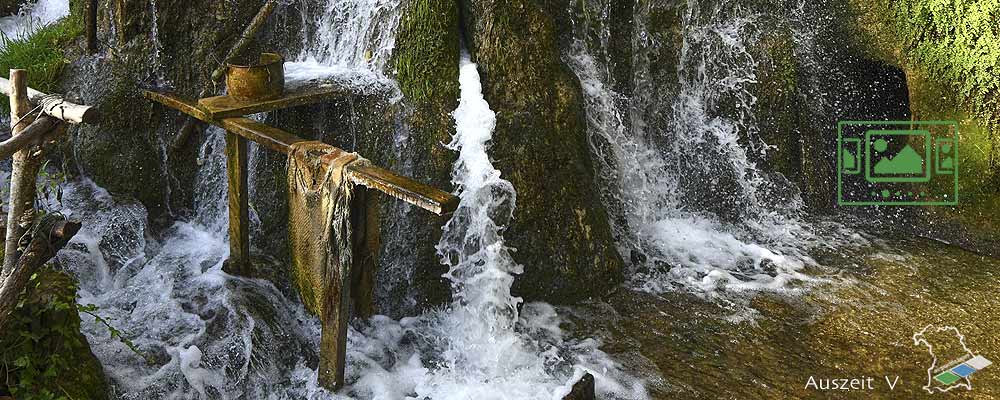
x=350, y=40
x=208, y=335
x=32, y=17
x=691, y=206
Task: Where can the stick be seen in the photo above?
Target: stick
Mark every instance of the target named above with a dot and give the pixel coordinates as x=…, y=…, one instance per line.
x=219, y=73
x=34, y=134
x=22, y=175
x=56, y=106
x=51, y=234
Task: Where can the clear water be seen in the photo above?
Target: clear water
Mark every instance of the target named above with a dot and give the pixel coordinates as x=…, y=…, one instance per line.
x=33, y=16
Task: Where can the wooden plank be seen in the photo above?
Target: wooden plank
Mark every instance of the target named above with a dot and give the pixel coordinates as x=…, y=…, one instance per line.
x=225, y=106
x=424, y=196
x=239, y=207
x=364, y=254
x=58, y=107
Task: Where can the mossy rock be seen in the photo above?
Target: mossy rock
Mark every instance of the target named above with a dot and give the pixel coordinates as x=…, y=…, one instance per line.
x=560, y=228
x=44, y=354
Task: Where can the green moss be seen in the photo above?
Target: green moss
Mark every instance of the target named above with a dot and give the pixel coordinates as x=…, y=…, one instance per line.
x=44, y=355
x=954, y=43
x=427, y=58
x=41, y=54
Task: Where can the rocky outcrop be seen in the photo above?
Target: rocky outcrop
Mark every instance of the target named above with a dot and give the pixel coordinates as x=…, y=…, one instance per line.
x=560, y=228
x=43, y=354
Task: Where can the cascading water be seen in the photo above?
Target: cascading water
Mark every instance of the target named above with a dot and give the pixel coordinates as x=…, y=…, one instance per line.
x=32, y=17
x=206, y=334
x=684, y=183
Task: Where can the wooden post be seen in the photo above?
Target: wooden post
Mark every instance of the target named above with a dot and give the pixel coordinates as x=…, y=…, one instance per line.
x=22, y=176
x=365, y=241
x=334, y=321
x=91, y=26
x=239, y=207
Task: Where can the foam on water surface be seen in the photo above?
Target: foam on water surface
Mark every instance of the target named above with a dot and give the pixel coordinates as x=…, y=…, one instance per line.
x=32, y=17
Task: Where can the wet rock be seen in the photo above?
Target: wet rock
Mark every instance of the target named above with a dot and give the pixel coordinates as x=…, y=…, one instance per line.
x=560, y=228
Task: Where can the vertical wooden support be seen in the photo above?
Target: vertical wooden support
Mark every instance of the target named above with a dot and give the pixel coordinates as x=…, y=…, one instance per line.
x=365, y=240
x=239, y=207
x=90, y=20
x=24, y=168
x=334, y=321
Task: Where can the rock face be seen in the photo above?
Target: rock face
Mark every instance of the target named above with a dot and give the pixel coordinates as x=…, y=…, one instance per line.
x=560, y=228
x=44, y=341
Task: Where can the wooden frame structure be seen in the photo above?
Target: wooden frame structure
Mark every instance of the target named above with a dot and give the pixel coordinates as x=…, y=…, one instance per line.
x=356, y=279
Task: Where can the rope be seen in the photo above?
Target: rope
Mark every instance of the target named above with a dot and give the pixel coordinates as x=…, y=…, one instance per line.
x=46, y=104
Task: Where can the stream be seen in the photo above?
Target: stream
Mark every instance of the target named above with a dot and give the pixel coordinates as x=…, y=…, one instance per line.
x=739, y=292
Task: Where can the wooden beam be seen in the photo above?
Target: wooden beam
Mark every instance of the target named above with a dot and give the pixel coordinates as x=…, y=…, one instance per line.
x=57, y=106
x=385, y=181
x=226, y=106
x=364, y=254
x=239, y=206
x=36, y=133
x=334, y=322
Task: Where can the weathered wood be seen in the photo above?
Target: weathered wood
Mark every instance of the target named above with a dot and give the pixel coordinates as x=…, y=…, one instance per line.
x=49, y=238
x=34, y=134
x=239, y=206
x=90, y=20
x=24, y=168
x=365, y=246
x=334, y=322
x=385, y=181
x=57, y=107
x=584, y=389
x=226, y=106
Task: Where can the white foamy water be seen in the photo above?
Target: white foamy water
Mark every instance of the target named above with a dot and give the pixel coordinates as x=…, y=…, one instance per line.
x=210, y=335
x=348, y=40
x=32, y=17
x=688, y=202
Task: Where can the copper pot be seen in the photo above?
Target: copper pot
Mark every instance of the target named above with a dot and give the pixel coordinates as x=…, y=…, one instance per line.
x=263, y=80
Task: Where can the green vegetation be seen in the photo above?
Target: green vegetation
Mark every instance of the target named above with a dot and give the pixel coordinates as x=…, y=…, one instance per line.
x=44, y=355
x=426, y=58
x=41, y=54
x=954, y=43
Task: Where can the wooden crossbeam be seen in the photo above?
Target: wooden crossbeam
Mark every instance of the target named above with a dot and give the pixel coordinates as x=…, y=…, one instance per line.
x=225, y=106
x=421, y=195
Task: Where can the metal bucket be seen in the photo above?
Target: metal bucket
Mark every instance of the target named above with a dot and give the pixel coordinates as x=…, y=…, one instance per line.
x=263, y=80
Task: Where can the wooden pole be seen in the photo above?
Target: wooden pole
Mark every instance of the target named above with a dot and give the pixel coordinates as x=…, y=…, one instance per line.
x=91, y=26
x=365, y=240
x=56, y=106
x=35, y=134
x=51, y=236
x=239, y=206
x=22, y=176
x=334, y=322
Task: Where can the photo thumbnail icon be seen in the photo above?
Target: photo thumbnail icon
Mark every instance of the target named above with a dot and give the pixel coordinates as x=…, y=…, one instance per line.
x=899, y=163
